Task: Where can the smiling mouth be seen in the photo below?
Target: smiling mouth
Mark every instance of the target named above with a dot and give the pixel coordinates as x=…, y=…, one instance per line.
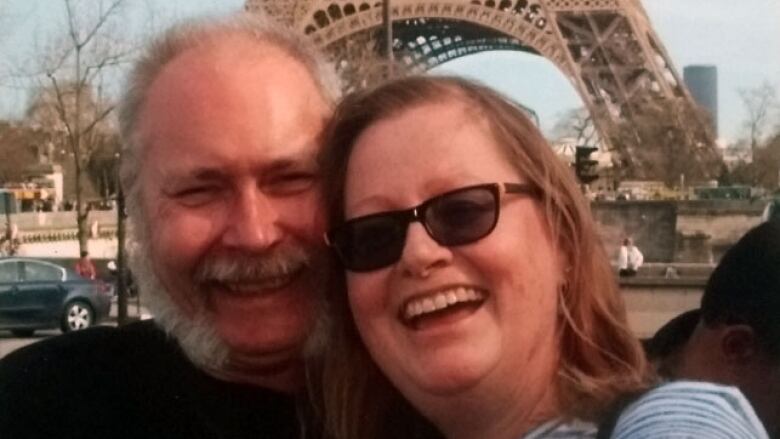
x=253, y=287
x=441, y=303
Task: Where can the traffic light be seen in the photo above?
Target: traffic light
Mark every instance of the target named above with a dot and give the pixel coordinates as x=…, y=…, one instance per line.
x=584, y=166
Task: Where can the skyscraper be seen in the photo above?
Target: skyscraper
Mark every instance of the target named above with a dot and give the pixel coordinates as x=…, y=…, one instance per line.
x=702, y=82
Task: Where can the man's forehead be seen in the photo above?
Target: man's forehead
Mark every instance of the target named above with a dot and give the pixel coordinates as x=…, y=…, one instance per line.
x=230, y=47
x=211, y=83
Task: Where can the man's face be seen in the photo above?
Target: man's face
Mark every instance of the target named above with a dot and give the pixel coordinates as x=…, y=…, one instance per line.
x=230, y=194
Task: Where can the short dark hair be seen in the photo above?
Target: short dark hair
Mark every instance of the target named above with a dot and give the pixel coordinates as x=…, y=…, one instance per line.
x=672, y=336
x=84, y=253
x=745, y=286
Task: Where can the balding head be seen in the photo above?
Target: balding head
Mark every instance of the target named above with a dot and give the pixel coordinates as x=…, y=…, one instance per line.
x=222, y=125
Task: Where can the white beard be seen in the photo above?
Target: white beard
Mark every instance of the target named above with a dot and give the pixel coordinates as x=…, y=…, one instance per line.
x=196, y=336
x=195, y=333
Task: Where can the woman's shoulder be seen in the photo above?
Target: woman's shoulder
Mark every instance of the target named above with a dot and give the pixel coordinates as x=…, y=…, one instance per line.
x=690, y=409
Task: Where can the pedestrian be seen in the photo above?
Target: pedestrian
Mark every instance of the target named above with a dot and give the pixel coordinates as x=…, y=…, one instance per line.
x=221, y=125
x=629, y=258
x=734, y=336
x=85, y=267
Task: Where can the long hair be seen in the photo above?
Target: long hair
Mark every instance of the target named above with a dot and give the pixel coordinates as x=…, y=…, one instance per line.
x=600, y=359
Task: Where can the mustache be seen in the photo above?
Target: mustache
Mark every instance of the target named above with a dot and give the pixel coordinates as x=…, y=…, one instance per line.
x=247, y=266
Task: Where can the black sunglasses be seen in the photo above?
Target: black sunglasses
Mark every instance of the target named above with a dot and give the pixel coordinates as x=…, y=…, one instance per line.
x=457, y=217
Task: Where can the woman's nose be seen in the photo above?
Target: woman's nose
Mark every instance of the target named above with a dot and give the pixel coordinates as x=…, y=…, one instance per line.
x=421, y=254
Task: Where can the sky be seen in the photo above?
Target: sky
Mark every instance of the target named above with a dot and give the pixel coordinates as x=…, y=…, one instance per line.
x=741, y=38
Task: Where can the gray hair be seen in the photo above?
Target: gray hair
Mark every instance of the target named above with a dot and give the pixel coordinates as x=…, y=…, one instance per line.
x=198, y=340
x=197, y=33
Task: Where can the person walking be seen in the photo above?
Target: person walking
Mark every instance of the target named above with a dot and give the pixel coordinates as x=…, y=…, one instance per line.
x=85, y=267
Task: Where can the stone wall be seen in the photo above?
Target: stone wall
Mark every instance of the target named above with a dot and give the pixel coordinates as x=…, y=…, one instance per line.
x=33, y=221
x=651, y=224
x=677, y=231
x=651, y=302
x=722, y=222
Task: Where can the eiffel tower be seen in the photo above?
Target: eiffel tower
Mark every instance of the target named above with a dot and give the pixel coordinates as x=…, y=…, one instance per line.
x=606, y=48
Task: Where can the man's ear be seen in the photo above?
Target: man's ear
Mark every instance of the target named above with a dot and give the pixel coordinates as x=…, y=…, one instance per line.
x=738, y=344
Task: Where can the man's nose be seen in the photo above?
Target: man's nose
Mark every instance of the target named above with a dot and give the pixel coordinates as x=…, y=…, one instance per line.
x=253, y=223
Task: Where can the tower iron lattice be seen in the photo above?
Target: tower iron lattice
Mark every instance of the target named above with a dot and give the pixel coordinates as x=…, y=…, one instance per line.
x=606, y=48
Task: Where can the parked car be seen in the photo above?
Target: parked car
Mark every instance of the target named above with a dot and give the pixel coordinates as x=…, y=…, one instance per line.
x=37, y=294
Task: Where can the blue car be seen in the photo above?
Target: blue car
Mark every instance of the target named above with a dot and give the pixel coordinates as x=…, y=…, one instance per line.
x=41, y=295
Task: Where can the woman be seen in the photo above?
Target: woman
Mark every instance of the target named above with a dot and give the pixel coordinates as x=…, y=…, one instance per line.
x=498, y=317
x=478, y=301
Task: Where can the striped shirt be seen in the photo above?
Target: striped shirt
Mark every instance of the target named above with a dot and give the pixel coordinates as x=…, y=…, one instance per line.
x=690, y=409
x=560, y=429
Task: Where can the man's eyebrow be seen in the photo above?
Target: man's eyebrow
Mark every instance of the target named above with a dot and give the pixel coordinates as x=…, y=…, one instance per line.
x=296, y=162
x=197, y=174
x=207, y=174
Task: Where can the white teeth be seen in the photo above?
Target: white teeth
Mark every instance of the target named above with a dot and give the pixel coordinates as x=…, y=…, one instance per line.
x=440, y=300
x=452, y=298
x=257, y=285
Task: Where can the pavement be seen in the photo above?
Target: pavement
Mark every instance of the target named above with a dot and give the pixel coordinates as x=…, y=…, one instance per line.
x=135, y=310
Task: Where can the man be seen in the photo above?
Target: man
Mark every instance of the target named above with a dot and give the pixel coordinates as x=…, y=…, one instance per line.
x=629, y=259
x=221, y=123
x=737, y=338
x=85, y=267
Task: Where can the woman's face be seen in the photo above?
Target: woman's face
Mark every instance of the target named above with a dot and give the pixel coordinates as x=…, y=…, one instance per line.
x=498, y=296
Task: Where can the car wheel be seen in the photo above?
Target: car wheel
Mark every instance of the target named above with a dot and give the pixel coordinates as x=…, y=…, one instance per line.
x=78, y=315
x=23, y=332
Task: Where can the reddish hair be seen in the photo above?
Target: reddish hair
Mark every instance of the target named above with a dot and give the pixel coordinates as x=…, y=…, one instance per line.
x=600, y=358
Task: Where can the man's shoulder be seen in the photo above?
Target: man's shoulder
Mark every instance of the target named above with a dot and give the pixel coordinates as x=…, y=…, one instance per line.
x=100, y=356
x=81, y=350
x=89, y=379
x=697, y=408
x=129, y=382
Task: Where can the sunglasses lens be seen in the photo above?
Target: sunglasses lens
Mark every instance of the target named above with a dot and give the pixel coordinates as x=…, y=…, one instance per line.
x=455, y=218
x=462, y=217
x=370, y=243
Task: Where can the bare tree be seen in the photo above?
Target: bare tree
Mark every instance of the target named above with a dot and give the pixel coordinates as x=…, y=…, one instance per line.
x=71, y=103
x=578, y=124
x=759, y=103
x=663, y=137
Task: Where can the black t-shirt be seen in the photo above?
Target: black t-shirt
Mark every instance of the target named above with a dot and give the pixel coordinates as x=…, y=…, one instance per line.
x=130, y=382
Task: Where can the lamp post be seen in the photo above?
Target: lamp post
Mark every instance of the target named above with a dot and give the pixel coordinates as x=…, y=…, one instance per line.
x=7, y=207
x=387, y=22
x=121, y=262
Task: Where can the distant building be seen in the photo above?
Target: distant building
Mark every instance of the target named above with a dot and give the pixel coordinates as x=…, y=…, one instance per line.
x=735, y=154
x=702, y=82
